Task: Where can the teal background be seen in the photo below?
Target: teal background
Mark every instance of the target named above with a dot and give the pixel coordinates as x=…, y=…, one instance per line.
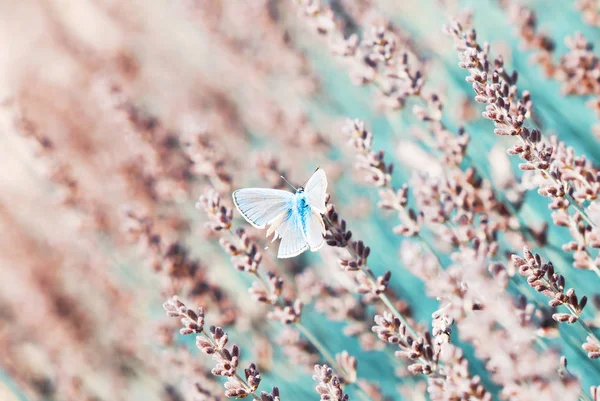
x=567, y=117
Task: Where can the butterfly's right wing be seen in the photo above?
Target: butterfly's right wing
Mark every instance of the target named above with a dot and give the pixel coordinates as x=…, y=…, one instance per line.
x=261, y=206
x=314, y=230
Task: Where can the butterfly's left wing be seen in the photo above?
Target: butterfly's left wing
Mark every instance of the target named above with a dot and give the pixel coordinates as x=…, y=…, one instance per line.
x=261, y=206
x=316, y=189
x=289, y=228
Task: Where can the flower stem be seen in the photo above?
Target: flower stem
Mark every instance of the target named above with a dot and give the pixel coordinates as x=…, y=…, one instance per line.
x=317, y=344
x=331, y=360
x=386, y=300
x=572, y=310
x=430, y=249
x=321, y=348
x=584, y=396
x=581, y=211
x=587, y=328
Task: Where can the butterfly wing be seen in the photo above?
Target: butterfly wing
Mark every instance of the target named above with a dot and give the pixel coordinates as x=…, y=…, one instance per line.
x=314, y=229
x=316, y=189
x=289, y=228
x=261, y=206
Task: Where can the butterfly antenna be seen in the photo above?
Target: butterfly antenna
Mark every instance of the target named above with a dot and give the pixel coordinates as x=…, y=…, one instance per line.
x=303, y=185
x=289, y=183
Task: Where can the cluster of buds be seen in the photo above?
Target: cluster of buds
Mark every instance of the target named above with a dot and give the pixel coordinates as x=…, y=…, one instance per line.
x=591, y=16
x=356, y=261
x=453, y=146
x=454, y=381
x=411, y=221
x=359, y=253
x=337, y=234
x=579, y=68
x=182, y=273
x=214, y=343
x=383, y=57
x=269, y=294
x=220, y=215
x=288, y=313
x=328, y=384
x=372, y=288
x=421, y=350
x=245, y=255
x=541, y=44
x=387, y=62
x=207, y=159
x=592, y=347
x=377, y=171
x=545, y=280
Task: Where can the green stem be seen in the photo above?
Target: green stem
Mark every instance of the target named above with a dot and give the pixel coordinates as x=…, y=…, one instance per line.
x=543, y=346
x=430, y=249
x=581, y=211
x=311, y=338
x=321, y=348
x=505, y=201
x=388, y=303
x=331, y=360
x=587, y=328
x=584, y=396
x=572, y=310
x=262, y=281
x=318, y=345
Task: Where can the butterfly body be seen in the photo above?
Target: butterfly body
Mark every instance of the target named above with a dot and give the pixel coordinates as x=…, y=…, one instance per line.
x=302, y=208
x=293, y=217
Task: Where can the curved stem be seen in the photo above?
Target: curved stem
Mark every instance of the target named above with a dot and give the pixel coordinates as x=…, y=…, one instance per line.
x=331, y=360
x=581, y=322
x=430, y=249
x=581, y=211
x=388, y=303
x=587, y=328
x=505, y=201
x=384, y=298
x=311, y=337
x=584, y=396
x=262, y=281
x=322, y=350
x=316, y=343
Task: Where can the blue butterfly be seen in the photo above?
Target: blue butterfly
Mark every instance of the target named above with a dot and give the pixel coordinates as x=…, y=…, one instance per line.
x=295, y=218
